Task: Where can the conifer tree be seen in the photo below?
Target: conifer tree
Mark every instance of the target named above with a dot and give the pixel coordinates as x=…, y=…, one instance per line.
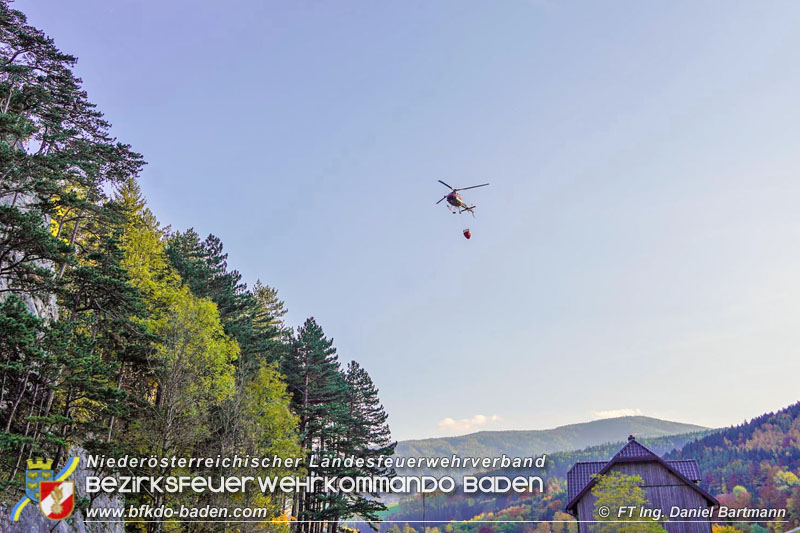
x=318, y=398
x=247, y=316
x=57, y=252
x=368, y=436
x=56, y=157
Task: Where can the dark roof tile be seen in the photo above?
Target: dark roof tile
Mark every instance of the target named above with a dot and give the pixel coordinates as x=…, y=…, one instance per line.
x=579, y=476
x=634, y=449
x=687, y=468
x=581, y=473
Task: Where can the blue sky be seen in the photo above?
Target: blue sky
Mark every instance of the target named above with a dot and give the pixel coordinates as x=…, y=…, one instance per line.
x=638, y=249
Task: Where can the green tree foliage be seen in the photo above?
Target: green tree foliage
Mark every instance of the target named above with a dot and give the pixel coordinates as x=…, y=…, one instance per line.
x=761, y=456
x=256, y=418
x=21, y=352
x=266, y=427
x=784, y=480
x=368, y=436
x=118, y=336
x=616, y=491
x=318, y=393
x=340, y=416
x=59, y=255
x=56, y=157
x=192, y=366
x=793, y=507
x=253, y=318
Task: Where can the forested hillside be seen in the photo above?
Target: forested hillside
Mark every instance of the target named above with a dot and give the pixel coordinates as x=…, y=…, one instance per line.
x=755, y=463
x=119, y=336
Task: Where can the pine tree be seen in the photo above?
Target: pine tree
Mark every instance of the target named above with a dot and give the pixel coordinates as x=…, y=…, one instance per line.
x=247, y=316
x=57, y=252
x=318, y=398
x=368, y=437
x=56, y=157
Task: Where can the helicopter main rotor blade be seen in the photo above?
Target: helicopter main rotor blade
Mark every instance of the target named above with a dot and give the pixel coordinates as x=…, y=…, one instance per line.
x=473, y=187
x=443, y=197
x=446, y=185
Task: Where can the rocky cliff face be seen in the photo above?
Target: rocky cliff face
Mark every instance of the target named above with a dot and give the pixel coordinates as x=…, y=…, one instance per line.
x=31, y=519
x=43, y=307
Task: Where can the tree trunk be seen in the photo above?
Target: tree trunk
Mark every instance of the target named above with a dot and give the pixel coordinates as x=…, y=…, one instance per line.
x=27, y=429
x=17, y=401
x=119, y=386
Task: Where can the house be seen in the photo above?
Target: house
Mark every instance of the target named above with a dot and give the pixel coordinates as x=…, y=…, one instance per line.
x=668, y=485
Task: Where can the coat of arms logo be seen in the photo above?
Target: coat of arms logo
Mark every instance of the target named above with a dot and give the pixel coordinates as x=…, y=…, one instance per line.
x=54, y=494
x=38, y=471
x=58, y=499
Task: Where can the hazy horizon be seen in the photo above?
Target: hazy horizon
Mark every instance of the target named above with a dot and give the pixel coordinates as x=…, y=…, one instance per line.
x=622, y=437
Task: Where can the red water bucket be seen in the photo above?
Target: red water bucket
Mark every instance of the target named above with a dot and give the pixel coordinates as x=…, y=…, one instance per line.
x=467, y=233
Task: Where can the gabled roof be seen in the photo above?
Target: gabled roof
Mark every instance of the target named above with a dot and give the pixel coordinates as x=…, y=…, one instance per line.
x=633, y=449
x=581, y=473
x=580, y=478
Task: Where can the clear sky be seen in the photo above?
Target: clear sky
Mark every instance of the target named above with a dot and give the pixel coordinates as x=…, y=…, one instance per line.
x=638, y=249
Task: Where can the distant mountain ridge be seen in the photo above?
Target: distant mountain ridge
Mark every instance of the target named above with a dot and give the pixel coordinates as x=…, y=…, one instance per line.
x=522, y=443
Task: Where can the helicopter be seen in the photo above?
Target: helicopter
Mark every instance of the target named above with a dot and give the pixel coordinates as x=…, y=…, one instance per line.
x=456, y=204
